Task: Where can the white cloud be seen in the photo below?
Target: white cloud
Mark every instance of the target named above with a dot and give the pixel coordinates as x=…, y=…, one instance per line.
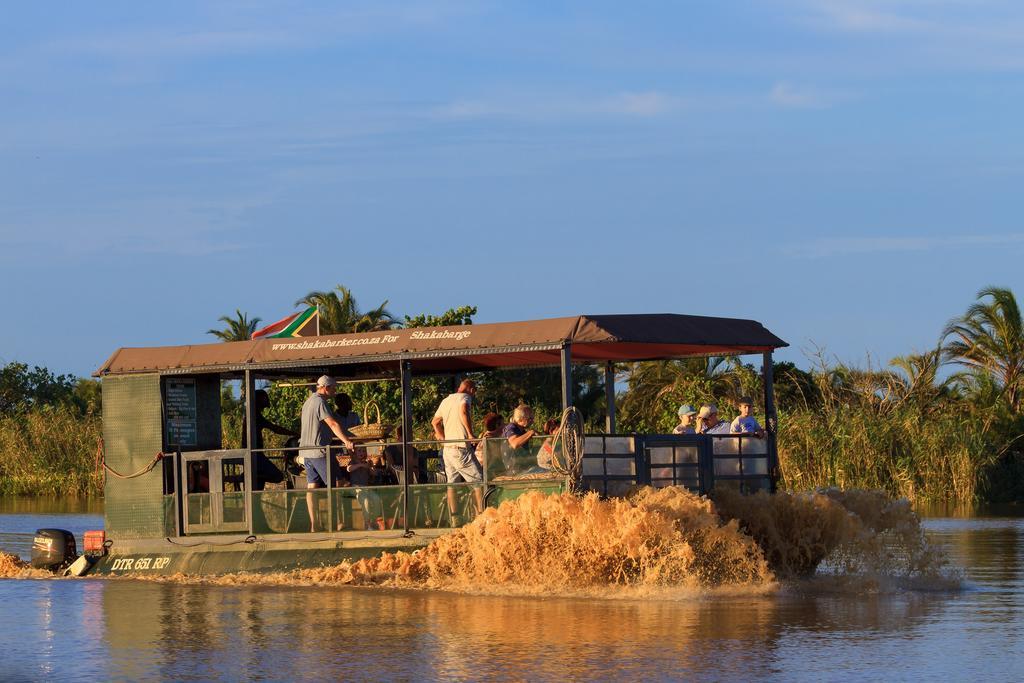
x=175, y=44
x=788, y=95
x=847, y=246
x=643, y=103
x=861, y=16
x=646, y=104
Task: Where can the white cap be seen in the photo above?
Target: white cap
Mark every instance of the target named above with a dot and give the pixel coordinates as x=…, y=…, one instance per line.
x=708, y=410
x=325, y=381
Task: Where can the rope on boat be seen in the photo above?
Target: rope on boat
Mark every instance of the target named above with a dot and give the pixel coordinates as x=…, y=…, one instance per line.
x=101, y=459
x=568, y=460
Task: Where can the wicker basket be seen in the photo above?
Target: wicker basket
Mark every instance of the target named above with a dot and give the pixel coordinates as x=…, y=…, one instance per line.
x=371, y=431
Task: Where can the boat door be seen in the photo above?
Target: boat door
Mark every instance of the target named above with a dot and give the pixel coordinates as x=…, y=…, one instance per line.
x=213, y=498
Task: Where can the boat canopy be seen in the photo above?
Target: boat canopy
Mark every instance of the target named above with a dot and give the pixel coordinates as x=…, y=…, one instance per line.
x=591, y=338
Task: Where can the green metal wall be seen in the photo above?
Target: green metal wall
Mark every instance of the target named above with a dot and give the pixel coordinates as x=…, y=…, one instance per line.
x=132, y=435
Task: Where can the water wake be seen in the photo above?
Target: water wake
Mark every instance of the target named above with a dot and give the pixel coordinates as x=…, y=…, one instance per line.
x=658, y=540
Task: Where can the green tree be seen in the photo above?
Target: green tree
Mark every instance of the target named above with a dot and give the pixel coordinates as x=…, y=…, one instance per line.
x=655, y=389
x=463, y=315
x=340, y=314
x=989, y=337
x=794, y=388
x=239, y=328
x=22, y=388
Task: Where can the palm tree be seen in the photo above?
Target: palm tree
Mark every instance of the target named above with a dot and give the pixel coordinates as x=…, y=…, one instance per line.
x=340, y=314
x=917, y=377
x=989, y=337
x=657, y=388
x=239, y=328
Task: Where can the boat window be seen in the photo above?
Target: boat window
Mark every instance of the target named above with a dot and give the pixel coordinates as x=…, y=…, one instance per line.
x=199, y=476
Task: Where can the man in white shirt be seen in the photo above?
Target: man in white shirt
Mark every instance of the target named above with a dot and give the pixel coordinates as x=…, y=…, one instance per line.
x=453, y=422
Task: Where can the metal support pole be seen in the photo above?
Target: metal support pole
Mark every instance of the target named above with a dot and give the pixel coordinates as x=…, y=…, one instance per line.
x=771, y=419
x=567, y=383
x=609, y=397
x=179, y=495
x=409, y=461
x=250, y=439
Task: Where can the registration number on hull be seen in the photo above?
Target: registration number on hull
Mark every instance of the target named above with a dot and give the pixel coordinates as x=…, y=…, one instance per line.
x=139, y=564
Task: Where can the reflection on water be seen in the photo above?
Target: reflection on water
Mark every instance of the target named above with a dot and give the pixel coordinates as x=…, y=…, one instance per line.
x=130, y=630
x=50, y=505
x=21, y=516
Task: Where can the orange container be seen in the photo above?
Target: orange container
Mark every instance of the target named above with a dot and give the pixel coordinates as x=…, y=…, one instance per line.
x=94, y=541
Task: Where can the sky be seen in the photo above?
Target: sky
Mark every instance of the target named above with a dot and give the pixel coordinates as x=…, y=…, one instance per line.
x=847, y=173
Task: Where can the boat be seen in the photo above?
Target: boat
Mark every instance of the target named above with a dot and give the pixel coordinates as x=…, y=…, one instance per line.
x=177, y=501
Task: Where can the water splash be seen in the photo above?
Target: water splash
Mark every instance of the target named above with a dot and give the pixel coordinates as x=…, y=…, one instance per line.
x=552, y=544
x=853, y=537
x=13, y=567
x=655, y=542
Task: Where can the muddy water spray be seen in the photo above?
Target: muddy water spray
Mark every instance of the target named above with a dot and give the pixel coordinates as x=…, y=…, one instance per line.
x=657, y=539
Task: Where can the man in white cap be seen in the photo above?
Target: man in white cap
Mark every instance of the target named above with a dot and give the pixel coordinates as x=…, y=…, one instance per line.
x=319, y=424
x=708, y=422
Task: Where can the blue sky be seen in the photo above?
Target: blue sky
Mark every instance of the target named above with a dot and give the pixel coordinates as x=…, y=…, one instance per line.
x=848, y=173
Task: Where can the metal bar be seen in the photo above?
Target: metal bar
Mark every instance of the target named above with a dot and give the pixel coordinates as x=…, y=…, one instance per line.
x=250, y=436
x=567, y=383
x=609, y=396
x=178, y=494
x=409, y=460
x=641, y=460
x=771, y=419
x=706, y=461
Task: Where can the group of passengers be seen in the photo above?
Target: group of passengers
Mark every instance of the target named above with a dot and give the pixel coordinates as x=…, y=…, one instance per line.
x=463, y=451
x=705, y=421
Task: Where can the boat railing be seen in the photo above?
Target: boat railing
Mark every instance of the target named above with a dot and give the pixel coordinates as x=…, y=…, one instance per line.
x=416, y=497
x=613, y=464
x=214, y=499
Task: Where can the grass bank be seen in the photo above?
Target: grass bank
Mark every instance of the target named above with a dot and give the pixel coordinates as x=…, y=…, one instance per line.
x=49, y=451
x=940, y=456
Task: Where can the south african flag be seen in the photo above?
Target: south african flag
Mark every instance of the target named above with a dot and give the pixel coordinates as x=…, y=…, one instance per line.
x=303, y=324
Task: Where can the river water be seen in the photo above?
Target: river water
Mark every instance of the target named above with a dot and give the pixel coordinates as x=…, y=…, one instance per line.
x=130, y=630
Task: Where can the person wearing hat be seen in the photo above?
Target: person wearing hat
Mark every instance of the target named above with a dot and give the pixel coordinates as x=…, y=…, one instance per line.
x=686, y=413
x=319, y=424
x=708, y=422
x=745, y=423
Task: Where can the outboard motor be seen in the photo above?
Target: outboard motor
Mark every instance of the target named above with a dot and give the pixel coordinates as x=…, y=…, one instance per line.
x=53, y=549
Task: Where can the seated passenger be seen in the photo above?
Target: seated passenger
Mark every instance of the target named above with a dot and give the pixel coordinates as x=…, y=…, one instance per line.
x=686, y=413
x=547, y=450
x=745, y=423
x=394, y=458
x=708, y=422
x=518, y=435
x=359, y=471
x=492, y=429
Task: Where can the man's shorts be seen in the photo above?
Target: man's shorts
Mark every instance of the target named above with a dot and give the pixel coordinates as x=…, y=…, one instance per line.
x=460, y=464
x=316, y=470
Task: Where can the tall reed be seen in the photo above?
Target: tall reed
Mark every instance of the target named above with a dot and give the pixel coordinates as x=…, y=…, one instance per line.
x=941, y=456
x=49, y=451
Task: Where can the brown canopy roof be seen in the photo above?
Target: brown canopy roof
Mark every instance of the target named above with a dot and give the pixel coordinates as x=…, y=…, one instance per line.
x=593, y=338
